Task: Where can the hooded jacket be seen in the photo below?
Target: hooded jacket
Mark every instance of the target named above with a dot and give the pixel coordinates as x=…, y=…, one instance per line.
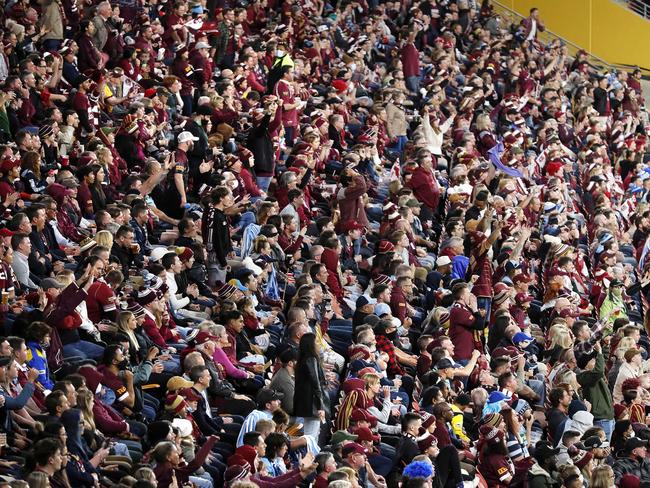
x=596, y=390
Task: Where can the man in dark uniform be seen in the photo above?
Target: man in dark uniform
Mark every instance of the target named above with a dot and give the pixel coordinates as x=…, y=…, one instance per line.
x=177, y=178
x=217, y=234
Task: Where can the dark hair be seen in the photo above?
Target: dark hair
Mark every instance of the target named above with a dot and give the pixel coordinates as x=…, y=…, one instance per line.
x=230, y=315
x=555, y=395
x=408, y=419
x=307, y=348
x=197, y=371
x=274, y=442
x=37, y=331
x=53, y=401
x=251, y=438
x=184, y=224
x=110, y=352
x=17, y=239
x=293, y=194
x=123, y=231
x=44, y=450
x=218, y=194
x=168, y=260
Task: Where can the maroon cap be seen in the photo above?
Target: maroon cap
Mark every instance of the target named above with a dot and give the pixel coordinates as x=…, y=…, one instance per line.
x=203, y=337
x=523, y=298
x=386, y=246
x=189, y=394
x=351, y=225
x=4, y=232
x=359, y=415
x=365, y=434
x=567, y=312
x=426, y=441
x=353, y=448
x=522, y=278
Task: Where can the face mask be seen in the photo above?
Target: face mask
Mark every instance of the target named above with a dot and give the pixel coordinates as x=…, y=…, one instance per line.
x=44, y=345
x=353, y=66
x=279, y=53
x=392, y=336
x=189, y=409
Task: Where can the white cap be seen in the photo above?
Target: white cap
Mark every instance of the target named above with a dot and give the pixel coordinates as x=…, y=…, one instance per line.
x=184, y=427
x=186, y=136
x=443, y=261
x=157, y=253
x=381, y=309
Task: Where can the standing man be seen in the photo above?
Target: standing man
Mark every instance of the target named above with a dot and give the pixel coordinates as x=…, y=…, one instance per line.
x=178, y=176
x=217, y=234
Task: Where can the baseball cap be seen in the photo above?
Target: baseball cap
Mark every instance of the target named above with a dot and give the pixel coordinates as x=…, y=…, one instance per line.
x=522, y=278
x=353, y=447
x=497, y=396
x=4, y=232
x=521, y=337
x=593, y=442
x=266, y=395
x=186, y=136
x=365, y=434
x=341, y=436
x=444, y=363
x=543, y=451
x=364, y=300
x=351, y=225
x=361, y=415
x=523, y=298
x=8, y=164
x=177, y=383
x=567, y=312
x=633, y=443
x=189, y=394
x=443, y=261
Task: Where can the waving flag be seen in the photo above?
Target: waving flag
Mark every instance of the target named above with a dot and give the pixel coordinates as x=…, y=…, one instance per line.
x=495, y=157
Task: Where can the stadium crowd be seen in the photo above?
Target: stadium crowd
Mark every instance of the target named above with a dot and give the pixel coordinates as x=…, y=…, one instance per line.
x=348, y=244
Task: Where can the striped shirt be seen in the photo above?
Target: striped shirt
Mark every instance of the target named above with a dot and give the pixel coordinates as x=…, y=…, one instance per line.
x=250, y=423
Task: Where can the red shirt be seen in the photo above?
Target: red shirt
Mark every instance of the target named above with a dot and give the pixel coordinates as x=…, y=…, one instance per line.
x=461, y=331
x=286, y=92
x=410, y=60
x=100, y=301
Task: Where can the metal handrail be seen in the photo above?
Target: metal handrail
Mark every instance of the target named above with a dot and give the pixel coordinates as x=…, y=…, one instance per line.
x=638, y=7
x=548, y=35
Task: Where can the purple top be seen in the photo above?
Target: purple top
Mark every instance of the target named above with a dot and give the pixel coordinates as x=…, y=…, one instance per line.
x=220, y=357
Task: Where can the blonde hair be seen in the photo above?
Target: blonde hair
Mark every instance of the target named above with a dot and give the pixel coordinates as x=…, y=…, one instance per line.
x=123, y=326
x=623, y=345
x=104, y=238
x=101, y=153
x=371, y=379
x=482, y=122
x=84, y=398
x=263, y=425
x=65, y=277
x=349, y=472
x=260, y=243
x=600, y=476
x=144, y=473
x=560, y=336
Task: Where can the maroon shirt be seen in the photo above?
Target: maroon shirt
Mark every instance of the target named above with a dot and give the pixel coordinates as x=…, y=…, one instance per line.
x=461, y=331
x=410, y=60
